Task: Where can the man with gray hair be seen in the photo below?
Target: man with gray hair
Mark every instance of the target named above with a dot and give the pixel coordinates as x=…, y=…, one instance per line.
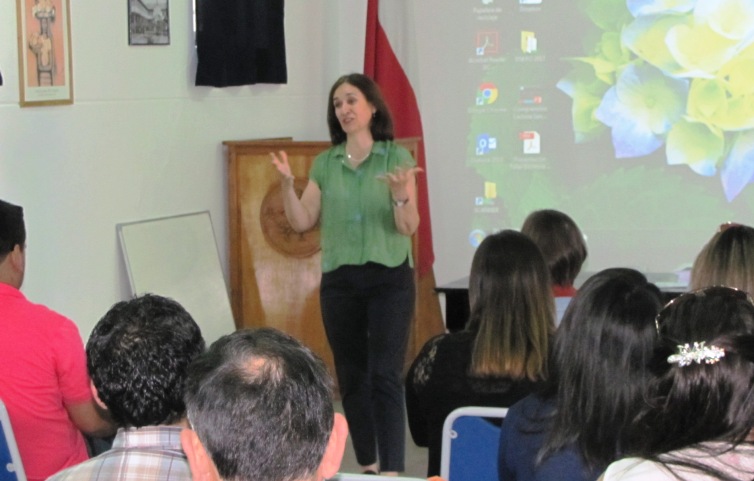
x=260, y=407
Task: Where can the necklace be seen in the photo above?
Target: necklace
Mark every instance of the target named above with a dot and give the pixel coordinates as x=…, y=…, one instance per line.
x=354, y=160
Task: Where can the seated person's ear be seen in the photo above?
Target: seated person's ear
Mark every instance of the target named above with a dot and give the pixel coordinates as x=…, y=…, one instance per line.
x=336, y=446
x=201, y=465
x=95, y=395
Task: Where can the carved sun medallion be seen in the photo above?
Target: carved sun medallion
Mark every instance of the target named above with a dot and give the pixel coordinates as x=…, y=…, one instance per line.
x=278, y=232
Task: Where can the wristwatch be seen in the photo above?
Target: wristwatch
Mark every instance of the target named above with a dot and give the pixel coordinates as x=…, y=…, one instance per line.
x=400, y=203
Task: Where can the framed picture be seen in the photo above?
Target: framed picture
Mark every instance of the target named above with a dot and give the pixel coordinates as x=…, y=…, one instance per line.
x=44, y=52
x=148, y=22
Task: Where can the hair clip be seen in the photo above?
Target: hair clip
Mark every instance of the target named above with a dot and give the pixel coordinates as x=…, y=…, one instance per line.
x=697, y=353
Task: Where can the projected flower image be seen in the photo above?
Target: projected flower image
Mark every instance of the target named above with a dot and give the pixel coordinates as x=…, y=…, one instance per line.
x=672, y=73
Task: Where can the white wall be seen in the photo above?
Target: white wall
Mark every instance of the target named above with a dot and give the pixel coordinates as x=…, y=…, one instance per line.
x=141, y=141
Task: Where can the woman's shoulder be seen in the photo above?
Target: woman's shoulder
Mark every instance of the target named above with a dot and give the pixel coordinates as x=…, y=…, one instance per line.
x=532, y=406
x=435, y=352
x=434, y=345
x=531, y=414
x=334, y=151
x=636, y=469
x=324, y=162
x=450, y=339
x=393, y=150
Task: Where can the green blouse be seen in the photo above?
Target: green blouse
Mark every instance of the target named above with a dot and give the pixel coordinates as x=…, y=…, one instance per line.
x=357, y=223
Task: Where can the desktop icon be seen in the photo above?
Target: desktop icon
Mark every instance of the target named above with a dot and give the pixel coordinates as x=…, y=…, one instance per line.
x=528, y=42
x=529, y=95
x=487, y=43
x=485, y=143
x=486, y=94
x=476, y=237
x=531, y=141
x=490, y=190
x=490, y=194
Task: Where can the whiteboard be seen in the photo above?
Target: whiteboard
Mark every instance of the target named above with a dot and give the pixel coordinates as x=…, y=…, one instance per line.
x=177, y=257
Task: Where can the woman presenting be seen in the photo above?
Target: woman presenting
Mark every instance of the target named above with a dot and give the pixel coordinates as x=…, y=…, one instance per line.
x=363, y=191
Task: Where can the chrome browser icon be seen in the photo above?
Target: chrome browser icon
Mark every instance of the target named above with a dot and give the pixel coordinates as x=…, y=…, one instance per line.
x=486, y=94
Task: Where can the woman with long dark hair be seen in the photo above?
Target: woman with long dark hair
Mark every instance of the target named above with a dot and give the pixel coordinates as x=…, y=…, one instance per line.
x=698, y=421
x=579, y=423
x=501, y=356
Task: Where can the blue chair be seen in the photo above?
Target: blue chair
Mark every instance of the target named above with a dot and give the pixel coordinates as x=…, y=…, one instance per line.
x=11, y=468
x=470, y=444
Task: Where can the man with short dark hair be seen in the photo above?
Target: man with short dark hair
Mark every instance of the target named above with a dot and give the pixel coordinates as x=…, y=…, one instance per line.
x=138, y=356
x=43, y=378
x=260, y=405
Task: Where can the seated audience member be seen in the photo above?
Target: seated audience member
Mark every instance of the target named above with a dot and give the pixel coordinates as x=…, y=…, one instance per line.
x=726, y=260
x=42, y=366
x=564, y=249
x=500, y=357
x=260, y=406
x=698, y=421
x=577, y=425
x=138, y=356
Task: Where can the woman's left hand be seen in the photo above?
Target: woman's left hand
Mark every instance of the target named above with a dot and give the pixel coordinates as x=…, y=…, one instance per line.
x=399, y=181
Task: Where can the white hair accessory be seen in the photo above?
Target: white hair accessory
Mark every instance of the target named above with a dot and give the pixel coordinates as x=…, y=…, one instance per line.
x=697, y=353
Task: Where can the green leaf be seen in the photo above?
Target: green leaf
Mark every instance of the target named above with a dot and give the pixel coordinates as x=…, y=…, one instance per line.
x=606, y=14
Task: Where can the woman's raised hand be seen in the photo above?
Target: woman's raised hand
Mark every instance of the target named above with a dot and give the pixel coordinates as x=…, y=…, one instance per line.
x=280, y=161
x=399, y=181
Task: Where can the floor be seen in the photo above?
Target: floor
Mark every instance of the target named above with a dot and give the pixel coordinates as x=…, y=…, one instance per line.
x=416, y=457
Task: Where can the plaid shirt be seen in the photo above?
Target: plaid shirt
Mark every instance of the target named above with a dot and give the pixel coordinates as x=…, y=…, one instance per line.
x=150, y=453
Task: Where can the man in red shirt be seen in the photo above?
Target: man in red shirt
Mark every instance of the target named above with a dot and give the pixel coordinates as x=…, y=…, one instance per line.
x=43, y=378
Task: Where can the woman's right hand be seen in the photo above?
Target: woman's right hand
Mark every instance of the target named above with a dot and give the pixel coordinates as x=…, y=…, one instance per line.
x=280, y=161
x=302, y=212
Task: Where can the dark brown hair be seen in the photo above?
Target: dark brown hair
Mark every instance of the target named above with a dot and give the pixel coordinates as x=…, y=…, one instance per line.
x=560, y=241
x=512, y=308
x=12, y=229
x=726, y=260
x=382, y=122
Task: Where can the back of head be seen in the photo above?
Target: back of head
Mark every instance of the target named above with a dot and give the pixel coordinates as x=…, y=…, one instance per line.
x=12, y=229
x=600, y=355
x=560, y=241
x=261, y=404
x=726, y=260
x=138, y=356
x=381, y=125
x=512, y=307
x=696, y=395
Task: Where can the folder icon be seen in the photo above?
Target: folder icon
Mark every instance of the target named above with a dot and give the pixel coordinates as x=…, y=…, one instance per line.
x=490, y=190
x=528, y=42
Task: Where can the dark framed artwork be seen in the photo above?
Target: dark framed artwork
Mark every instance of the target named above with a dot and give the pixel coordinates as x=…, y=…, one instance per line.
x=148, y=22
x=44, y=52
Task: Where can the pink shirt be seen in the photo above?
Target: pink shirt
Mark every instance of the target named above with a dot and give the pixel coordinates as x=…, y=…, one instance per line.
x=42, y=366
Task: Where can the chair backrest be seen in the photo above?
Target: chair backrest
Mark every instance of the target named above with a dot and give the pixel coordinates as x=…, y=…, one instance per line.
x=370, y=477
x=470, y=444
x=11, y=468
